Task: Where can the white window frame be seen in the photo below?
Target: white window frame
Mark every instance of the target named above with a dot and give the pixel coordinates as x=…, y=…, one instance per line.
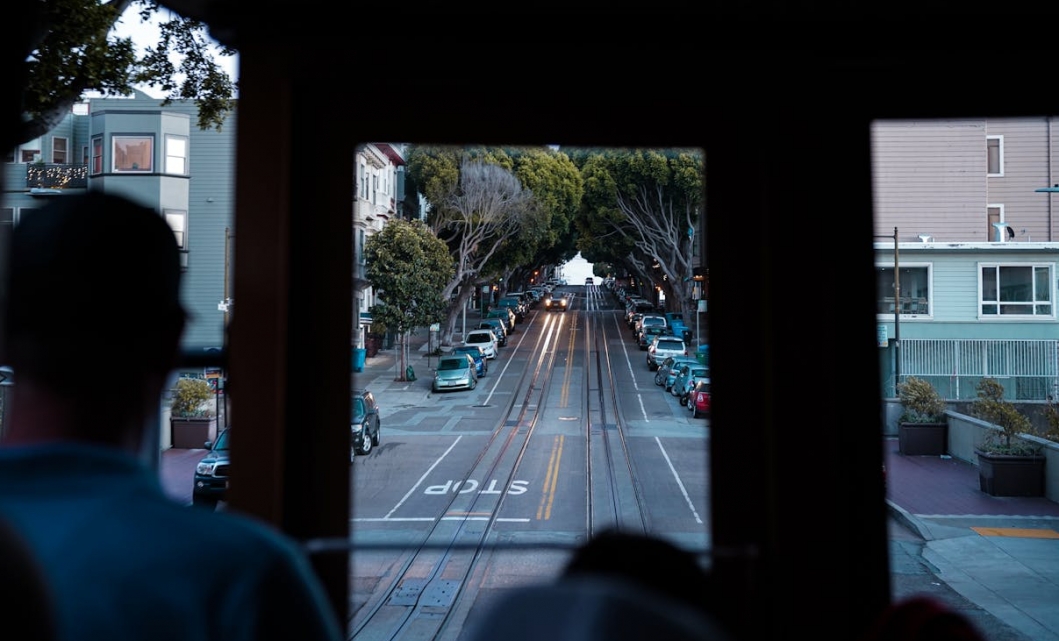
x=178, y=222
x=95, y=164
x=64, y=152
x=118, y=140
x=1047, y=286
x=913, y=308
x=176, y=154
x=1000, y=156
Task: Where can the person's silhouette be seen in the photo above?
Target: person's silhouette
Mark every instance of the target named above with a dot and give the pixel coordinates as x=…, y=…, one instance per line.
x=93, y=322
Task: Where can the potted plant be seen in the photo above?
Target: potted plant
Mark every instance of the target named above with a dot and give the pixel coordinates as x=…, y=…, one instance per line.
x=191, y=415
x=922, y=429
x=1007, y=465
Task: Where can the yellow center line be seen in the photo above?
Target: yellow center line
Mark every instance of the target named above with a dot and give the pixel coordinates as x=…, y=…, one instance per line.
x=551, y=480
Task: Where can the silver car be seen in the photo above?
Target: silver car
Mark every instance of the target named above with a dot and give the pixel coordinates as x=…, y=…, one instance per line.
x=663, y=346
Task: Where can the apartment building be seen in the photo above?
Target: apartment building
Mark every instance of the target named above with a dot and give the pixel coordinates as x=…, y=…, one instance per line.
x=966, y=254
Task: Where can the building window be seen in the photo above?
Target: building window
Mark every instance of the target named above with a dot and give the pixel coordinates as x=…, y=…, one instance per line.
x=915, y=299
x=1016, y=290
x=30, y=155
x=176, y=155
x=59, y=148
x=994, y=155
x=132, y=154
x=84, y=155
x=178, y=220
x=97, y=155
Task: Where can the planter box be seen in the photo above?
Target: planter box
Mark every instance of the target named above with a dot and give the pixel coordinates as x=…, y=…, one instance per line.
x=1006, y=475
x=923, y=439
x=192, y=433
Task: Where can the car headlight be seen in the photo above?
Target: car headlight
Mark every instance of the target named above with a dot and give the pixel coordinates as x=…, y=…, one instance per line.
x=356, y=428
x=205, y=468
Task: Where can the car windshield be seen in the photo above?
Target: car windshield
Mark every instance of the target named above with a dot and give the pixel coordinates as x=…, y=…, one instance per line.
x=222, y=441
x=357, y=407
x=451, y=364
x=473, y=353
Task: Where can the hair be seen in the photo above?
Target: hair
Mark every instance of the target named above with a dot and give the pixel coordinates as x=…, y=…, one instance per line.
x=94, y=284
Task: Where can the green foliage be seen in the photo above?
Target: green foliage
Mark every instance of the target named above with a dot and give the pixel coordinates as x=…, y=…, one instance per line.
x=991, y=406
x=75, y=53
x=921, y=402
x=409, y=267
x=1051, y=417
x=191, y=398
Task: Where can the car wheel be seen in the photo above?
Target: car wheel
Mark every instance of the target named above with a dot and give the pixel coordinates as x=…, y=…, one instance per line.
x=688, y=403
x=474, y=383
x=377, y=436
x=365, y=445
x=352, y=453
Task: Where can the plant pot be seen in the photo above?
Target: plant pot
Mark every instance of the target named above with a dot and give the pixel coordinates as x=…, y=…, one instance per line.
x=923, y=439
x=1008, y=475
x=192, y=433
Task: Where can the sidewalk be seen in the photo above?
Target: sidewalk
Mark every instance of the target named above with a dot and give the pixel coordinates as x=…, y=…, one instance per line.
x=1000, y=553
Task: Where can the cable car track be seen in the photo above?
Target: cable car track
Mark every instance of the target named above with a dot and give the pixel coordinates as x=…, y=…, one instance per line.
x=431, y=582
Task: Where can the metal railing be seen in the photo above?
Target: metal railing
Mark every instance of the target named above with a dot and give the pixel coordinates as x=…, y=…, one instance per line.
x=1028, y=369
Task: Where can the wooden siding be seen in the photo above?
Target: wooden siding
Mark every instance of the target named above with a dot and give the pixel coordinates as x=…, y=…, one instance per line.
x=1026, y=168
x=929, y=177
x=954, y=291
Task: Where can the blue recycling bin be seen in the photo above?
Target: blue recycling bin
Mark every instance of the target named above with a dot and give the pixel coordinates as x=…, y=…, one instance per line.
x=359, y=354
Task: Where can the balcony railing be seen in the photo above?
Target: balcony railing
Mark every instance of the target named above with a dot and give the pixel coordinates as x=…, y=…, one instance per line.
x=56, y=176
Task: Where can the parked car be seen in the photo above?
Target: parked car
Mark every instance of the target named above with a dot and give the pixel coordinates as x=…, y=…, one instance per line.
x=507, y=314
x=663, y=346
x=515, y=304
x=556, y=303
x=211, y=474
x=484, y=338
x=649, y=320
x=481, y=363
x=686, y=378
x=648, y=334
x=667, y=370
x=364, y=423
x=499, y=329
x=455, y=372
x=699, y=398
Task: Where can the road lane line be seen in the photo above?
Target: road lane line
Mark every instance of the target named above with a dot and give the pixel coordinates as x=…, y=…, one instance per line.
x=422, y=478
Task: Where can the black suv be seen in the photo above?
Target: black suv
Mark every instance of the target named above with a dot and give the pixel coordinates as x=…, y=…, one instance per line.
x=364, y=423
x=211, y=474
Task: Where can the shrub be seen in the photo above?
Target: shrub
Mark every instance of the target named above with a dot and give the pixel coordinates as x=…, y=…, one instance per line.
x=921, y=402
x=191, y=398
x=1051, y=417
x=991, y=406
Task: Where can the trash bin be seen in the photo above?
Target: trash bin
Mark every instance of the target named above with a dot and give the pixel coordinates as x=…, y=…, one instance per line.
x=359, y=354
x=703, y=355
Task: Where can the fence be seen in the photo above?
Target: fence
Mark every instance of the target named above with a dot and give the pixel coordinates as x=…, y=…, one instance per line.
x=1028, y=369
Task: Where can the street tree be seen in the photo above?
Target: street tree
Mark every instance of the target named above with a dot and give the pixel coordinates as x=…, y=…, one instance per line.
x=409, y=267
x=641, y=209
x=497, y=222
x=70, y=49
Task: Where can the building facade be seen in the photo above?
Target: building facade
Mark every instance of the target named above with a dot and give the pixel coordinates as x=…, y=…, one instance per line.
x=975, y=245
x=158, y=157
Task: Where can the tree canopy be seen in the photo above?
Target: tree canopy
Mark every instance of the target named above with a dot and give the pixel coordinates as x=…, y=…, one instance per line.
x=497, y=209
x=408, y=266
x=640, y=210
x=71, y=50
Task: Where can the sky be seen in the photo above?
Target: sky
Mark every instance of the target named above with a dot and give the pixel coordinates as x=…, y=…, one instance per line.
x=147, y=34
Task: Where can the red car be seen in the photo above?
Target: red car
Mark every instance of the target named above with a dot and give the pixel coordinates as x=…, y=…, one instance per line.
x=699, y=399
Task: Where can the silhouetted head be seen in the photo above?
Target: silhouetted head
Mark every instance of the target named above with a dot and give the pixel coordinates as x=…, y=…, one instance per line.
x=93, y=300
